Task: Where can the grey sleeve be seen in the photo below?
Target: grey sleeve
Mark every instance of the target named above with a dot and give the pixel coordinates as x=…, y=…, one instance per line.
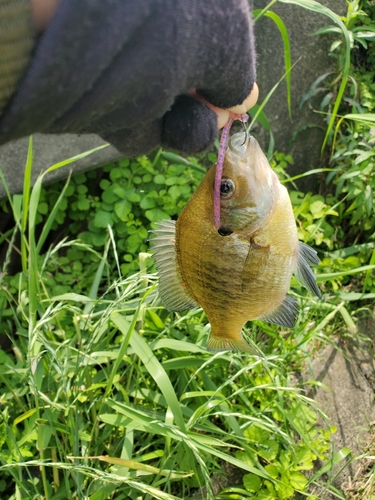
x=123, y=68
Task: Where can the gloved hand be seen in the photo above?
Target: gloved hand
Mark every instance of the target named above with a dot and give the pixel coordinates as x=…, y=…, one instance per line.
x=123, y=69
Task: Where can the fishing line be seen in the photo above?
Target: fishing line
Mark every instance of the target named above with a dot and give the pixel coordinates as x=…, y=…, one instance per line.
x=220, y=163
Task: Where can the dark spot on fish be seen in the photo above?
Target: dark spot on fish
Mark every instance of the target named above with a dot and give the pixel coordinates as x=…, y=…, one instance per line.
x=227, y=188
x=223, y=231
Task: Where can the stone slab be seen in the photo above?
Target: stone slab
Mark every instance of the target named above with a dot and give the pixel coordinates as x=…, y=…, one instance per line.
x=307, y=126
x=347, y=372
x=49, y=150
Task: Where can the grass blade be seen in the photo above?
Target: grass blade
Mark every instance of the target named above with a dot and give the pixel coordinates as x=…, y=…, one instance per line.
x=287, y=59
x=127, y=329
x=306, y=174
x=368, y=273
x=75, y=158
x=365, y=118
x=25, y=203
x=357, y=270
x=135, y=465
x=174, y=158
x=154, y=368
x=48, y=224
x=263, y=120
x=268, y=97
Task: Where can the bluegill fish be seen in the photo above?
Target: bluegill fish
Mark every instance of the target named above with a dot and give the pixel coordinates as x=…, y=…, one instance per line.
x=242, y=271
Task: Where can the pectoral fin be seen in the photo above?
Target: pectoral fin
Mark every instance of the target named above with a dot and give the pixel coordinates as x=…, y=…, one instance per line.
x=172, y=293
x=307, y=257
x=285, y=314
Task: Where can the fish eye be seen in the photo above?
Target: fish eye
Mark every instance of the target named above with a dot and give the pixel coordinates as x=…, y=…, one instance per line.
x=227, y=188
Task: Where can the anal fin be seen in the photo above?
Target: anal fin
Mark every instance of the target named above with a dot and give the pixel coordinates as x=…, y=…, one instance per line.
x=172, y=293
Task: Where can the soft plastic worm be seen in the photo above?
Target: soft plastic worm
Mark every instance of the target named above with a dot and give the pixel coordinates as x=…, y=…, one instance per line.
x=220, y=163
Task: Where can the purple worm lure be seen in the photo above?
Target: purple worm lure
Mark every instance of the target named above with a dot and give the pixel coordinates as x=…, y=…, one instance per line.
x=220, y=163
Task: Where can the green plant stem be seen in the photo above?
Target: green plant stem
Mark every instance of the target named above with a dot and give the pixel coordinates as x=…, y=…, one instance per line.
x=269, y=95
x=157, y=156
x=55, y=470
x=25, y=201
x=368, y=273
x=44, y=477
x=263, y=11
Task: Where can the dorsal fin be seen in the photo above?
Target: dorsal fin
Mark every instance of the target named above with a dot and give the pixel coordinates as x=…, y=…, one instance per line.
x=172, y=293
x=285, y=314
x=307, y=257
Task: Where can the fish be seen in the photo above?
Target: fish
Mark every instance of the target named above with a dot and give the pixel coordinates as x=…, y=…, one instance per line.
x=243, y=270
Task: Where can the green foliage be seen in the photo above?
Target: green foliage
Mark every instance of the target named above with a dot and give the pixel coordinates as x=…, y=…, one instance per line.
x=104, y=394
x=311, y=211
x=285, y=464
x=118, y=397
x=107, y=393
x=351, y=181
x=342, y=216
x=353, y=156
x=127, y=196
x=358, y=23
x=354, y=178
x=345, y=59
x=315, y=214
x=94, y=384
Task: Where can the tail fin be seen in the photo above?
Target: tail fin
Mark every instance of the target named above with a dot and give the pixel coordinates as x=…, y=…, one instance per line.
x=217, y=344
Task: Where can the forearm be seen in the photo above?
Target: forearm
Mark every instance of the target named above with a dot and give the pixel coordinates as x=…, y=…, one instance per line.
x=117, y=68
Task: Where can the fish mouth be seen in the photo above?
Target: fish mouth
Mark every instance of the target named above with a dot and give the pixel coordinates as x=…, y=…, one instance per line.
x=224, y=231
x=239, y=142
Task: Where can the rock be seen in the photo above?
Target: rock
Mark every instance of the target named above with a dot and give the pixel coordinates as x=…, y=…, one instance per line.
x=305, y=127
x=48, y=150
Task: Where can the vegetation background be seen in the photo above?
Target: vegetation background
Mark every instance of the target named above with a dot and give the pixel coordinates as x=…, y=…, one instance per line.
x=104, y=394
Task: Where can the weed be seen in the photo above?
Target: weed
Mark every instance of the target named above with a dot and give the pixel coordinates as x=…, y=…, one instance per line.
x=107, y=395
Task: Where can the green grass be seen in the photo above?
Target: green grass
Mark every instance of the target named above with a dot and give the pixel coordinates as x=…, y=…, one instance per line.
x=119, y=386
x=104, y=394
x=108, y=394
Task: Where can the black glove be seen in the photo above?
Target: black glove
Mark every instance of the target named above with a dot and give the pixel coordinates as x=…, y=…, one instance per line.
x=122, y=69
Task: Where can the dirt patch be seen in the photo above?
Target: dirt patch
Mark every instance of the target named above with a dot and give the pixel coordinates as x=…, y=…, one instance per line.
x=347, y=373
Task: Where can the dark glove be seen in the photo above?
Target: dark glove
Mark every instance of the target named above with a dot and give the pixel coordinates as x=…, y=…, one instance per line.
x=122, y=69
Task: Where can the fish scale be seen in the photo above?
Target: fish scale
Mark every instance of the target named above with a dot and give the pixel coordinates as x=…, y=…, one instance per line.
x=246, y=273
